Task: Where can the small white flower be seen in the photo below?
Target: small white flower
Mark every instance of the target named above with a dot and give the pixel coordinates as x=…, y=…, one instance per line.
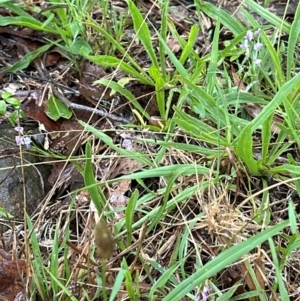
x=257, y=32
x=249, y=35
x=27, y=141
x=257, y=46
x=245, y=44
x=257, y=62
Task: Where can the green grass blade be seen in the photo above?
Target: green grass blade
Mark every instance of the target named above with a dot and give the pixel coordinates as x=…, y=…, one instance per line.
x=107, y=140
x=226, y=19
x=221, y=261
x=65, y=290
x=282, y=289
x=110, y=61
x=118, y=88
x=118, y=283
x=163, y=32
x=178, y=66
x=162, y=280
x=280, y=96
x=38, y=274
x=54, y=262
x=269, y=16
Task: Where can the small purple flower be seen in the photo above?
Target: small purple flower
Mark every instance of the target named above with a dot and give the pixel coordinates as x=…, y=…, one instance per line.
x=257, y=62
x=204, y=294
x=257, y=46
x=23, y=141
x=19, y=129
x=249, y=35
x=19, y=140
x=257, y=32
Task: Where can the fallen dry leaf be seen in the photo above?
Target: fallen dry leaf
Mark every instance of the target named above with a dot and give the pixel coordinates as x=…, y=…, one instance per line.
x=11, y=276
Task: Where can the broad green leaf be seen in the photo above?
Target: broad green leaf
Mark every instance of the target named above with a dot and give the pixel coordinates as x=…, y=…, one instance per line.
x=80, y=45
x=5, y=95
x=3, y=107
x=56, y=109
x=13, y=101
x=244, y=150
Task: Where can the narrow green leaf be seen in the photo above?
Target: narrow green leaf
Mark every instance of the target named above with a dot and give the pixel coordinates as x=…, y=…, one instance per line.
x=292, y=217
x=226, y=19
x=178, y=66
x=294, y=35
x=25, y=22
x=189, y=47
x=160, y=93
x=64, y=289
x=142, y=31
x=284, y=296
x=129, y=213
x=90, y=182
x=118, y=282
x=27, y=59
x=5, y=213
x=110, y=61
x=107, y=140
x=266, y=137
x=269, y=16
